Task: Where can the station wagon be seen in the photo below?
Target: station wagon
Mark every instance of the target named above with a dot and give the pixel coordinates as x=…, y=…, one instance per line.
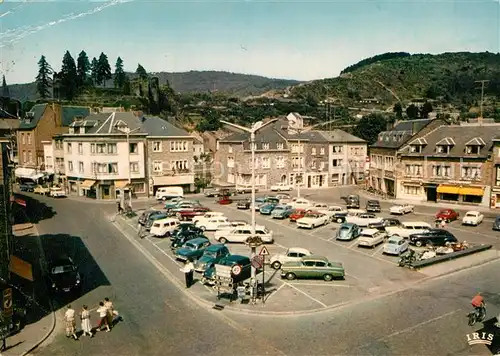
x=312, y=267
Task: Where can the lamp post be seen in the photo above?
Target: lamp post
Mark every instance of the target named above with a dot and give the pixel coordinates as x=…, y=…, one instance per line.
x=255, y=127
x=128, y=132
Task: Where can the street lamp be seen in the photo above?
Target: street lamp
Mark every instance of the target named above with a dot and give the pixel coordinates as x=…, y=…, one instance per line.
x=255, y=127
x=128, y=131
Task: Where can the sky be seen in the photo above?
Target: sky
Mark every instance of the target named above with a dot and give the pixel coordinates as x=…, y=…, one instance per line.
x=301, y=40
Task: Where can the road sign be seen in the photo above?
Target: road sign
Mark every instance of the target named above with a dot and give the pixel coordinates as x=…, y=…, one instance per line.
x=7, y=302
x=223, y=271
x=236, y=269
x=264, y=251
x=258, y=261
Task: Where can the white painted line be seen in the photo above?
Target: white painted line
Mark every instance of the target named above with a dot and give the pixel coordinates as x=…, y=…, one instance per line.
x=211, y=290
x=470, y=231
x=274, y=292
x=160, y=241
x=163, y=251
x=378, y=250
x=352, y=245
x=307, y=295
x=326, y=284
x=322, y=228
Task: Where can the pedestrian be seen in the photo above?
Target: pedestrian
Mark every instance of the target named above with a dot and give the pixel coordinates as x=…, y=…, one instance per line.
x=120, y=209
x=103, y=315
x=70, y=323
x=188, y=271
x=111, y=310
x=443, y=223
x=85, y=318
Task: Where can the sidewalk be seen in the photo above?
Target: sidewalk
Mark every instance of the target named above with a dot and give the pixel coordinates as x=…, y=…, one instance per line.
x=41, y=320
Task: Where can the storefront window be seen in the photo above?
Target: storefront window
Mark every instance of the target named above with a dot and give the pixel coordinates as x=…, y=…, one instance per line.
x=449, y=197
x=474, y=199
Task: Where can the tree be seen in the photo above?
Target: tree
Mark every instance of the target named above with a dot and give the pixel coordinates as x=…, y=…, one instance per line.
x=398, y=109
x=94, y=66
x=119, y=74
x=103, y=69
x=5, y=88
x=43, y=79
x=210, y=121
x=369, y=127
x=83, y=69
x=126, y=89
x=426, y=109
x=141, y=72
x=68, y=77
x=412, y=112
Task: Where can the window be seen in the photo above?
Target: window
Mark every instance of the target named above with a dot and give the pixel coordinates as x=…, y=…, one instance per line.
x=80, y=167
x=23, y=138
x=322, y=165
x=498, y=176
x=68, y=147
x=254, y=147
x=138, y=187
x=445, y=149
x=415, y=149
x=265, y=146
x=112, y=168
x=441, y=171
x=337, y=163
x=157, y=166
x=230, y=162
x=100, y=147
x=59, y=144
x=388, y=162
x=471, y=172
x=156, y=146
x=133, y=148
x=411, y=190
x=337, y=149
x=473, y=149
x=279, y=146
x=70, y=166
x=265, y=162
x=80, y=148
x=313, y=151
x=295, y=162
x=112, y=150
x=413, y=170
x=178, y=146
x=179, y=165
x=322, y=151
x=280, y=162
x=30, y=157
x=134, y=167
x=29, y=138
x=230, y=149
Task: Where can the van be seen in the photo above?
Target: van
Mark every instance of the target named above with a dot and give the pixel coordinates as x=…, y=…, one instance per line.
x=165, y=193
x=164, y=227
x=408, y=228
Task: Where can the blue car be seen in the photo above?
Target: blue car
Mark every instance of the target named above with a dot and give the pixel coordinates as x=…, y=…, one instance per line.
x=282, y=212
x=267, y=209
x=259, y=202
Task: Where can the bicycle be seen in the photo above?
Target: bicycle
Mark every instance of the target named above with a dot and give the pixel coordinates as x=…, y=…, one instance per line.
x=476, y=316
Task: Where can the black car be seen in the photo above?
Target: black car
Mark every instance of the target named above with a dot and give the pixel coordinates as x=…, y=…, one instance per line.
x=185, y=228
x=352, y=201
x=243, y=204
x=64, y=276
x=27, y=187
x=436, y=237
x=496, y=224
x=373, y=206
x=183, y=237
x=210, y=193
x=384, y=223
x=153, y=218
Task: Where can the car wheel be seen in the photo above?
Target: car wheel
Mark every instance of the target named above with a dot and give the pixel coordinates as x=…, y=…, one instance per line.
x=328, y=277
x=276, y=265
x=290, y=276
x=222, y=240
x=164, y=198
x=418, y=243
x=339, y=220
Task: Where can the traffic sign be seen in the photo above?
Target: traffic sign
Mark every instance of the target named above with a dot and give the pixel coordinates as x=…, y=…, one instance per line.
x=264, y=251
x=236, y=270
x=7, y=302
x=258, y=261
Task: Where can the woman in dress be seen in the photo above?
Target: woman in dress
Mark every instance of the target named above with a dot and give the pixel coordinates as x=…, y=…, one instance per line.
x=70, y=323
x=85, y=318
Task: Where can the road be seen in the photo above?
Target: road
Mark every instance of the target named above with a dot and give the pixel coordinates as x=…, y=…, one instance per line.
x=426, y=319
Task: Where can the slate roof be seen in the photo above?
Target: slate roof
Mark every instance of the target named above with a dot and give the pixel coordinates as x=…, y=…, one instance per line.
x=5, y=115
x=400, y=133
x=341, y=136
x=37, y=111
x=461, y=136
x=109, y=124
x=68, y=114
x=157, y=127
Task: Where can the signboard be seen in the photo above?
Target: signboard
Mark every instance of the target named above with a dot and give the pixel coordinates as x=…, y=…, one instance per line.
x=236, y=270
x=7, y=303
x=223, y=278
x=258, y=262
x=223, y=271
x=264, y=251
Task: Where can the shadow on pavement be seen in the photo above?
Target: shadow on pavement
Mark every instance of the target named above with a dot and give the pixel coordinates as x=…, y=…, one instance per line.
x=490, y=328
x=35, y=209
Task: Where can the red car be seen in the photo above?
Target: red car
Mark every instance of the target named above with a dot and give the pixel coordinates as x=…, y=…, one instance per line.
x=447, y=215
x=224, y=200
x=189, y=213
x=298, y=214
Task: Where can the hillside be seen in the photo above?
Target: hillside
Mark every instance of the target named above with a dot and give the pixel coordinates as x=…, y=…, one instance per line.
x=448, y=78
x=194, y=81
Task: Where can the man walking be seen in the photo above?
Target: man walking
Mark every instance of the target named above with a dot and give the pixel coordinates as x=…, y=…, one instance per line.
x=103, y=314
x=69, y=319
x=188, y=271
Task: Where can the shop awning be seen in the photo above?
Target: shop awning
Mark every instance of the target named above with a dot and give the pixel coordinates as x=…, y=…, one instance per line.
x=471, y=191
x=120, y=184
x=87, y=184
x=448, y=189
x=27, y=173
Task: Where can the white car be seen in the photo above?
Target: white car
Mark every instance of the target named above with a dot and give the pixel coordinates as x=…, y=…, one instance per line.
x=300, y=203
x=363, y=220
x=312, y=220
x=472, y=218
x=242, y=233
x=281, y=187
x=229, y=225
x=401, y=209
x=335, y=213
x=206, y=216
x=293, y=254
x=57, y=192
x=371, y=238
x=396, y=245
x=212, y=224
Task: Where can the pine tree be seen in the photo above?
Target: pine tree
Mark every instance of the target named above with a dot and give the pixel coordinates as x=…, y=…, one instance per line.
x=93, y=70
x=43, y=79
x=82, y=69
x=126, y=86
x=103, y=69
x=5, y=88
x=141, y=72
x=69, y=77
x=119, y=74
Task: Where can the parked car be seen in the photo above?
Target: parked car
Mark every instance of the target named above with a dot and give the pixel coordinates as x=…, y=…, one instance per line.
x=175, y=202
x=401, y=209
x=182, y=238
x=192, y=249
x=224, y=200
x=164, y=193
x=373, y=206
x=472, y=218
x=41, y=189
x=348, y=232
x=297, y=214
x=212, y=255
x=293, y=254
x=189, y=213
x=371, y=238
x=212, y=224
x=153, y=217
x=363, y=220
x=312, y=220
x=145, y=216
x=436, y=237
x=57, y=192
x=164, y=227
x=231, y=260
x=447, y=215
x=496, y=224
x=208, y=215
x=211, y=193
x=301, y=203
x=242, y=233
x=267, y=208
x=395, y=245
x=229, y=225
x=312, y=267
x=281, y=187
x=352, y=201
x=407, y=228
x=245, y=189
x=282, y=212
x=185, y=227
x=386, y=222
x=243, y=204
x=259, y=202
x=27, y=187
x=64, y=276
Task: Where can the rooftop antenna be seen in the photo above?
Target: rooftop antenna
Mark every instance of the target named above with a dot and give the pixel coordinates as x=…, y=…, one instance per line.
x=483, y=83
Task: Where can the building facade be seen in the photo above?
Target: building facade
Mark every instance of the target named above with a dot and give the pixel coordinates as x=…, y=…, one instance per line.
x=452, y=164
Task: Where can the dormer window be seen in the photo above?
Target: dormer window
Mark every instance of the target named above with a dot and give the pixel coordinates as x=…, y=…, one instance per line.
x=417, y=146
x=473, y=147
x=445, y=145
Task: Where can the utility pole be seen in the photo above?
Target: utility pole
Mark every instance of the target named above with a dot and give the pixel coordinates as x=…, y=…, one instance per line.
x=483, y=83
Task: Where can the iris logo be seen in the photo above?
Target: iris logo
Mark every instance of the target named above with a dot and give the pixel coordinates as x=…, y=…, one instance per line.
x=479, y=338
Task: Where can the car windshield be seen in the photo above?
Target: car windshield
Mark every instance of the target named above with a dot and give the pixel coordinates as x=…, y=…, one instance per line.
x=62, y=269
x=212, y=254
x=313, y=216
x=392, y=242
x=190, y=246
x=370, y=236
x=472, y=215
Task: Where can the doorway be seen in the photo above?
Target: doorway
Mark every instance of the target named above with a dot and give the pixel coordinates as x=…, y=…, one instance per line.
x=106, y=191
x=283, y=178
x=321, y=180
x=431, y=193
x=309, y=182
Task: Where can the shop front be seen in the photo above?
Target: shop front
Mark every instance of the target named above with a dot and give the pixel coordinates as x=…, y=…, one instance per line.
x=460, y=194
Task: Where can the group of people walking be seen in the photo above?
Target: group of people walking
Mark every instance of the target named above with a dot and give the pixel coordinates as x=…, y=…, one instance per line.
x=106, y=316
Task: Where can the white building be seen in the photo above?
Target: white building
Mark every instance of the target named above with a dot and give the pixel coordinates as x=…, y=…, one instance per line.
x=48, y=155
